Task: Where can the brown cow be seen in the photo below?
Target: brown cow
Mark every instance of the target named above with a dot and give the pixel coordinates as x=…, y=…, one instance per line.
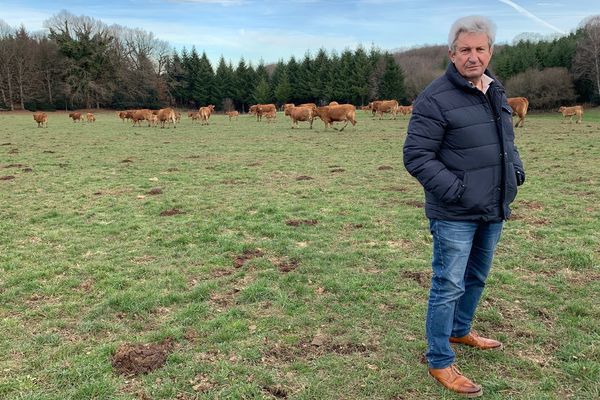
x=263, y=109
x=195, y=116
x=166, y=115
x=76, y=116
x=205, y=113
x=366, y=109
x=334, y=103
x=405, y=110
x=311, y=105
x=387, y=106
x=519, y=107
x=90, y=117
x=232, y=114
x=572, y=111
x=373, y=106
x=41, y=118
x=340, y=113
x=177, y=116
x=140, y=115
x=300, y=114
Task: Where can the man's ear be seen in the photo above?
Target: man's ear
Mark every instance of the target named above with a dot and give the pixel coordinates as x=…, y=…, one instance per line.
x=451, y=56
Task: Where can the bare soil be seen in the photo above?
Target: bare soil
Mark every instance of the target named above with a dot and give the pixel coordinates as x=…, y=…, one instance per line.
x=135, y=359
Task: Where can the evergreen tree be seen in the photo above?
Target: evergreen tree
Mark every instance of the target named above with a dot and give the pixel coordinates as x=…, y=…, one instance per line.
x=223, y=84
x=293, y=72
x=205, y=83
x=282, y=90
x=391, y=84
x=361, y=70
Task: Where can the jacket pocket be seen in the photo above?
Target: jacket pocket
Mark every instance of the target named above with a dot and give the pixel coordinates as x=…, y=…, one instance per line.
x=480, y=190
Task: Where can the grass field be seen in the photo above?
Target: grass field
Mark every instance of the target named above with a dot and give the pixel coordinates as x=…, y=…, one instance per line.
x=265, y=262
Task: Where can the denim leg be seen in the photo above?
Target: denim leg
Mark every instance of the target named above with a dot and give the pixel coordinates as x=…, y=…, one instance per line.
x=478, y=267
x=452, y=242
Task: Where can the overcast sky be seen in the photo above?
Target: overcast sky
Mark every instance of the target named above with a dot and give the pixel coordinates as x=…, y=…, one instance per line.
x=278, y=29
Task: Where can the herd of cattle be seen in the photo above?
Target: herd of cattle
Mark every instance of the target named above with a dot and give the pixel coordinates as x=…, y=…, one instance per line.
x=307, y=112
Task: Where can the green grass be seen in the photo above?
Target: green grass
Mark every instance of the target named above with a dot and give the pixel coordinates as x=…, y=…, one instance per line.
x=88, y=263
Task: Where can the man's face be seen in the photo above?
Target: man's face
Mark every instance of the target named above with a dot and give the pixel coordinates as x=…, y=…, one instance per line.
x=472, y=54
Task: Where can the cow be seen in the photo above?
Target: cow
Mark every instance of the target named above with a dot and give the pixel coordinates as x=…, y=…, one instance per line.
x=177, y=116
x=519, y=107
x=270, y=115
x=41, y=118
x=140, y=115
x=205, y=113
x=232, y=114
x=366, y=109
x=286, y=105
x=195, y=116
x=373, y=106
x=572, y=111
x=122, y=115
x=76, y=116
x=340, y=113
x=334, y=103
x=405, y=110
x=311, y=105
x=387, y=106
x=166, y=115
x=300, y=114
x=263, y=109
x=90, y=117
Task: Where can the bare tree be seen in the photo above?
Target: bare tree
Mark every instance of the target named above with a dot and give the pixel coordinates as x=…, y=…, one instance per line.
x=587, y=58
x=544, y=89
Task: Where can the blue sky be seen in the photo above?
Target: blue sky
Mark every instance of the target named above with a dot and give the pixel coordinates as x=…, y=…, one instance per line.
x=278, y=29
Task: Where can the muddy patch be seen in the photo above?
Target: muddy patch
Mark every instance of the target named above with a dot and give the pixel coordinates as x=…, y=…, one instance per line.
x=276, y=391
x=172, y=169
x=254, y=164
x=135, y=359
x=13, y=166
x=335, y=170
x=304, y=178
x=413, y=203
x=155, y=191
x=48, y=152
x=7, y=177
x=385, y=168
x=246, y=256
x=127, y=160
x=6, y=144
x=288, y=266
x=298, y=222
x=27, y=169
x=171, y=212
x=421, y=277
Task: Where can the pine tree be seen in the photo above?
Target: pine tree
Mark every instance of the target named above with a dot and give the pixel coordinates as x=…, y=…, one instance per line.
x=391, y=84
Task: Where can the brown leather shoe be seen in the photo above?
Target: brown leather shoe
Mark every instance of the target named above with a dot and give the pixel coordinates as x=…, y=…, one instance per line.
x=474, y=340
x=451, y=378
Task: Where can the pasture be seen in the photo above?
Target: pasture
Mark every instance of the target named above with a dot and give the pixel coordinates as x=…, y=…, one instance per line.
x=264, y=262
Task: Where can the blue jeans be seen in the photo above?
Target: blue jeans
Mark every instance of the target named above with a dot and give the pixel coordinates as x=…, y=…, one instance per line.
x=462, y=257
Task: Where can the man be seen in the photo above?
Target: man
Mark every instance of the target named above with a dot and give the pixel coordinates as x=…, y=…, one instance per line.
x=460, y=147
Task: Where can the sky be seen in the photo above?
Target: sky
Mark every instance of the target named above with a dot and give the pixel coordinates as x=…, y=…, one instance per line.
x=270, y=30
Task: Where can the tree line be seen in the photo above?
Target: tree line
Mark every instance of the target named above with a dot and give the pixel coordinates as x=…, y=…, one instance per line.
x=80, y=62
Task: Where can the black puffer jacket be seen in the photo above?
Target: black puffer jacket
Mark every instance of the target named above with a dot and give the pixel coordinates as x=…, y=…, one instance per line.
x=460, y=146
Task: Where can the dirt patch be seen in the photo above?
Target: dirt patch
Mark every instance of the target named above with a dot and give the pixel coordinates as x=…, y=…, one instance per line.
x=288, y=266
x=319, y=345
x=337, y=170
x=13, y=166
x=529, y=220
x=48, y=152
x=135, y=359
x=171, y=212
x=155, y=191
x=194, y=156
x=27, y=169
x=247, y=255
x=6, y=144
x=224, y=300
x=304, y=178
x=6, y=178
x=127, y=160
x=277, y=391
x=298, y=222
x=413, y=203
x=421, y=277
x=13, y=151
x=254, y=164
x=217, y=273
x=385, y=168
x=396, y=189
x=172, y=169
x=531, y=205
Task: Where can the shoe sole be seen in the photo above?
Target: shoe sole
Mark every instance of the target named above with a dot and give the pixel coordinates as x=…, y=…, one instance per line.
x=469, y=395
x=479, y=348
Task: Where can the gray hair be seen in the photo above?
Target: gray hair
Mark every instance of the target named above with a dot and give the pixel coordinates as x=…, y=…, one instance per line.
x=471, y=24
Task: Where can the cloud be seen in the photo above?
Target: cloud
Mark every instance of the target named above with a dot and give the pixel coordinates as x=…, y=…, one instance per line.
x=528, y=14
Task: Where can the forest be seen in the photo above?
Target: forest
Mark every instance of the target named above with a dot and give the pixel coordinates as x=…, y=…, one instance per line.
x=81, y=62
